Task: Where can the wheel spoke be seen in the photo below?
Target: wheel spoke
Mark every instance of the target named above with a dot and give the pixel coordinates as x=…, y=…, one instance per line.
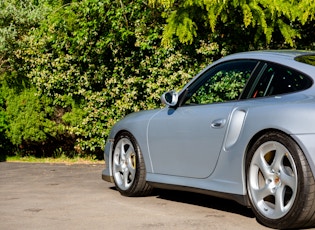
x=122, y=150
x=279, y=201
x=277, y=162
x=130, y=151
x=260, y=194
x=126, y=178
x=131, y=170
x=263, y=166
x=288, y=180
x=117, y=166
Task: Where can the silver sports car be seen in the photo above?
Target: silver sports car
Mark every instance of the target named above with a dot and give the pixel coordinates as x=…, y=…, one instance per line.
x=242, y=129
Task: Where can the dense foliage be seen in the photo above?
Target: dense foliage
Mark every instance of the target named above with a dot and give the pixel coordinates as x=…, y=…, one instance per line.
x=70, y=69
x=259, y=23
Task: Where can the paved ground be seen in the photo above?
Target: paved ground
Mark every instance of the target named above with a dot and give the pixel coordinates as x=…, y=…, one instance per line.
x=58, y=196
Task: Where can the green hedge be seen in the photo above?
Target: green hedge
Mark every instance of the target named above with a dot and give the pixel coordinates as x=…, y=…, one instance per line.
x=71, y=69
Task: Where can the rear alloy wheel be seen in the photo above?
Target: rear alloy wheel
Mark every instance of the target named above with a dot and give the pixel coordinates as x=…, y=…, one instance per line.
x=280, y=183
x=128, y=167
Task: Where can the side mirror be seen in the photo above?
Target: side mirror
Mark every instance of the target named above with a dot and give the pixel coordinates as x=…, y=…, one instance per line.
x=170, y=98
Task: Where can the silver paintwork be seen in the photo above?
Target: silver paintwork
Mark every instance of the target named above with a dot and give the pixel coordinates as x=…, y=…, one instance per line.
x=204, y=146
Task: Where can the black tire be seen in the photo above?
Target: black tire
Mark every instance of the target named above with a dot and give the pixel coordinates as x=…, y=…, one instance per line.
x=128, y=167
x=280, y=184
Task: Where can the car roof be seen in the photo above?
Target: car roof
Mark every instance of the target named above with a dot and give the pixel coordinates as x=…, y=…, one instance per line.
x=283, y=57
x=270, y=54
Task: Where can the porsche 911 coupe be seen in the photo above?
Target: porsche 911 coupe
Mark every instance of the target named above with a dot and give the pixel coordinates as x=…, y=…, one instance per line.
x=242, y=129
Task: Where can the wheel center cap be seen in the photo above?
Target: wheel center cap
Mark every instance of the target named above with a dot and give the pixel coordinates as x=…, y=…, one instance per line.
x=277, y=180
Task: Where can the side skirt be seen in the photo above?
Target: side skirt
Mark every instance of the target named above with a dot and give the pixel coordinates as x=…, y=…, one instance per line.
x=241, y=199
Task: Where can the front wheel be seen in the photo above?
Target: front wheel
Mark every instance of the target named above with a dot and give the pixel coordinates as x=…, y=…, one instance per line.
x=128, y=167
x=280, y=183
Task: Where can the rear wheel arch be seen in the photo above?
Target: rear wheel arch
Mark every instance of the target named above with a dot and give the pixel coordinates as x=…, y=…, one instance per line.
x=258, y=135
x=255, y=138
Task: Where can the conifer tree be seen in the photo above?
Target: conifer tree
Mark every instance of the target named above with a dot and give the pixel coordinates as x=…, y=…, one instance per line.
x=186, y=18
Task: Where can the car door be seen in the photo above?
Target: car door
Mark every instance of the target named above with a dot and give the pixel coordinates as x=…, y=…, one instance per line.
x=186, y=140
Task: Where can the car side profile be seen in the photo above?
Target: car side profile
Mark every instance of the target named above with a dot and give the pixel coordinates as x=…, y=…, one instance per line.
x=242, y=129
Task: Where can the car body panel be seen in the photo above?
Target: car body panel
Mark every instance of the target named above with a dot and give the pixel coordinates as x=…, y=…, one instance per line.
x=232, y=158
x=192, y=149
x=174, y=141
x=136, y=123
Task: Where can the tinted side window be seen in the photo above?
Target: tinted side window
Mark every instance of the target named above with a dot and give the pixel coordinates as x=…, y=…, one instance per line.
x=221, y=83
x=277, y=80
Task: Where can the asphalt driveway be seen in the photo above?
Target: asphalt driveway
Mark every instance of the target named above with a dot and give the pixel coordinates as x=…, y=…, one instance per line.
x=59, y=196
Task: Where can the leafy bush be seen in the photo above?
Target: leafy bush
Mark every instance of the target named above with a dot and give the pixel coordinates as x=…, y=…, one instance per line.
x=70, y=69
x=3, y=127
x=17, y=18
x=106, y=59
x=31, y=122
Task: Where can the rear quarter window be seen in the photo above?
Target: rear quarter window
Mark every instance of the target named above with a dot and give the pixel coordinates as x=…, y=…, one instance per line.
x=276, y=79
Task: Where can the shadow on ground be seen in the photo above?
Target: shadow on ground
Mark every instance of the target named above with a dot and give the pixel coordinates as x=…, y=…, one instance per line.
x=202, y=200
x=205, y=201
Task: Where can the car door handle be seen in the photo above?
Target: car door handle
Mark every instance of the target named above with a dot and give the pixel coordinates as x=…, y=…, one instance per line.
x=219, y=123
